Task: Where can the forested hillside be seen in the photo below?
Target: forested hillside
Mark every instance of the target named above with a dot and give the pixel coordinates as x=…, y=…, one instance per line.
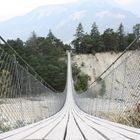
x=109, y=40
x=46, y=55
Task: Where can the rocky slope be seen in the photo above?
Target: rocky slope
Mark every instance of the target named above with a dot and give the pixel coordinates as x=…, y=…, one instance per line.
x=94, y=65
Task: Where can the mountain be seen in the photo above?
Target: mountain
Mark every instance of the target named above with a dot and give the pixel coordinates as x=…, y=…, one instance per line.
x=63, y=20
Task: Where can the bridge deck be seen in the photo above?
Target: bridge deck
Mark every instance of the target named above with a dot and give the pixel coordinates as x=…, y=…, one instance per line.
x=72, y=124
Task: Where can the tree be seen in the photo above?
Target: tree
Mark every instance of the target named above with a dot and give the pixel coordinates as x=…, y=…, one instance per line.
x=95, y=35
x=136, y=30
x=130, y=38
x=79, y=32
x=32, y=41
x=53, y=41
x=87, y=44
x=121, y=30
x=50, y=34
x=121, y=38
x=15, y=44
x=33, y=36
x=79, y=37
x=110, y=40
x=48, y=62
x=94, y=31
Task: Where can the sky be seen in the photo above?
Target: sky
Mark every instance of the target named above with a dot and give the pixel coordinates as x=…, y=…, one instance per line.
x=12, y=8
x=130, y=5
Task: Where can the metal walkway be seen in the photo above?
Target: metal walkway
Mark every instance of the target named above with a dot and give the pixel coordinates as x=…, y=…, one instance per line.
x=72, y=124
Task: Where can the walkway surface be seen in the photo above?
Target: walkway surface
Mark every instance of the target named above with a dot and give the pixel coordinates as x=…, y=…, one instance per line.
x=72, y=124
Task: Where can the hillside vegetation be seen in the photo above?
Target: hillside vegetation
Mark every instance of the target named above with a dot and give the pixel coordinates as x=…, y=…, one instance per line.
x=46, y=55
x=109, y=40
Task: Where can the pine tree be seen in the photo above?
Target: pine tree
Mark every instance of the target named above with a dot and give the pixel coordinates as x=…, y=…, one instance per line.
x=136, y=30
x=95, y=36
x=50, y=34
x=79, y=38
x=32, y=41
x=110, y=40
x=121, y=38
x=121, y=30
x=79, y=32
x=94, y=31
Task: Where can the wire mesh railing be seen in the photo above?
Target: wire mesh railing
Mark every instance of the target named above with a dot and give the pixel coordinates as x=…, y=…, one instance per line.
x=23, y=98
x=115, y=94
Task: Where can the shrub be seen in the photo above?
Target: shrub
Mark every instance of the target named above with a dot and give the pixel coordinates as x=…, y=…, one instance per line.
x=82, y=82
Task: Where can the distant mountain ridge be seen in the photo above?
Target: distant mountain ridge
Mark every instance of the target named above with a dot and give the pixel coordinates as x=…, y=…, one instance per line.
x=63, y=20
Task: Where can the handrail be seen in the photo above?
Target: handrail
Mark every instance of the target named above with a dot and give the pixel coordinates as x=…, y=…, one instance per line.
x=129, y=46
x=31, y=68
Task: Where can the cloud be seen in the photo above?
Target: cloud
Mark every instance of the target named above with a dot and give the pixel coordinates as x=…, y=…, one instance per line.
x=78, y=15
x=11, y=8
x=124, y=2
x=129, y=5
x=120, y=16
x=61, y=24
x=104, y=14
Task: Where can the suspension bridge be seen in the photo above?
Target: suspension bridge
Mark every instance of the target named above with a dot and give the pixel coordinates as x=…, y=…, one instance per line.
x=31, y=111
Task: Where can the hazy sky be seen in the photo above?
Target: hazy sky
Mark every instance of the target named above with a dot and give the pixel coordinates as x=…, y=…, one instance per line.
x=11, y=8
x=130, y=5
